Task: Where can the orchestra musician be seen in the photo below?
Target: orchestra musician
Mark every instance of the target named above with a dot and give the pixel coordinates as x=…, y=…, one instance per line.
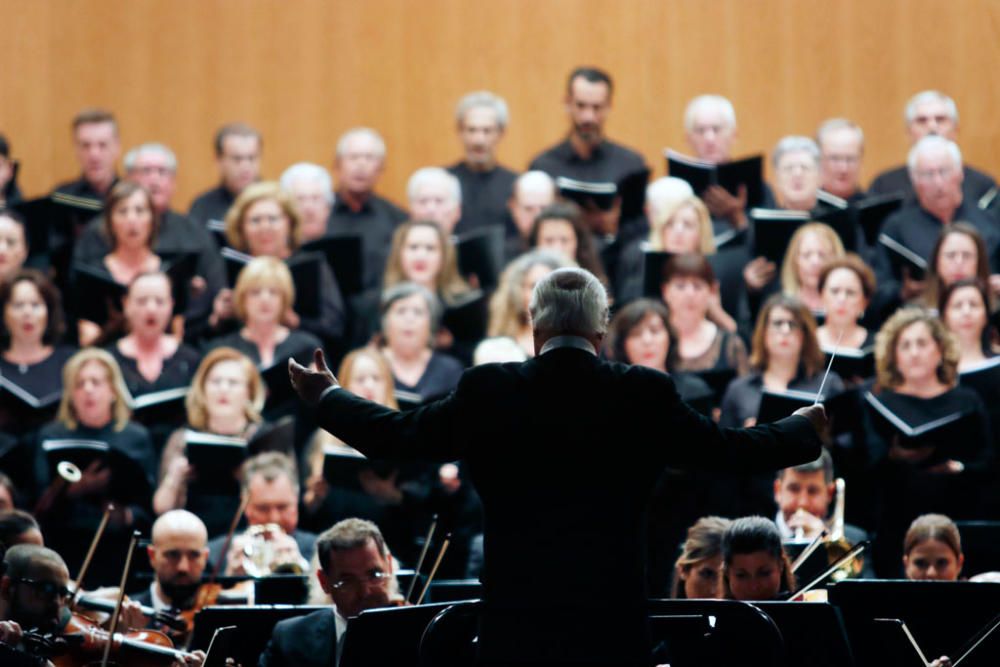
x=356, y=571
x=754, y=563
x=178, y=555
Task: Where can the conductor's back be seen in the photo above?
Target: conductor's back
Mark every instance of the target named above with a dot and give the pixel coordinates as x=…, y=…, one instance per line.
x=564, y=450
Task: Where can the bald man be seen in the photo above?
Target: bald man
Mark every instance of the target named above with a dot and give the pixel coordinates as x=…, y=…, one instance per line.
x=178, y=554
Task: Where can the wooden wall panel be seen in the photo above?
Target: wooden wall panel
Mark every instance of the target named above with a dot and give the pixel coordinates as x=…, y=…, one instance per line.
x=306, y=70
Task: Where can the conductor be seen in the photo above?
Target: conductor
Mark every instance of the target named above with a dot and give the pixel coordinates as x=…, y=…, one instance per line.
x=564, y=451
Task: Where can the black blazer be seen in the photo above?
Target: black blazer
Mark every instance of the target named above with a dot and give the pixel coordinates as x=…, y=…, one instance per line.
x=303, y=641
x=564, y=451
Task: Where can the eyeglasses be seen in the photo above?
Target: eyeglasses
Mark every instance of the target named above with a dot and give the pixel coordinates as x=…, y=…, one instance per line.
x=783, y=325
x=927, y=175
x=46, y=588
x=375, y=577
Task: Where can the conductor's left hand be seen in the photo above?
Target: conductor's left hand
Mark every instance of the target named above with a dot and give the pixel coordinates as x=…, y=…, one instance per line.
x=311, y=383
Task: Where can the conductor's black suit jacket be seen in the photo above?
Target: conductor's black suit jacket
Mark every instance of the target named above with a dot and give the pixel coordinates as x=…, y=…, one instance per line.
x=564, y=450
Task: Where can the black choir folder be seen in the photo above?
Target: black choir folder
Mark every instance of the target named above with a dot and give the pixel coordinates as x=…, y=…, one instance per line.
x=127, y=474
x=902, y=258
x=305, y=270
x=852, y=362
x=23, y=402
x=343, y=254
x=211, y=453
x=701, y=175
x=984, y=379
x=630, y=191
x=841, y=408
x=950, y=428
x=480, y=253
x=773, y=230
x=156, y=407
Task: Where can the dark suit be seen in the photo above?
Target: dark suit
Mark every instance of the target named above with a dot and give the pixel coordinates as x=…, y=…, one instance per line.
x=303, y=641
x=564, y=451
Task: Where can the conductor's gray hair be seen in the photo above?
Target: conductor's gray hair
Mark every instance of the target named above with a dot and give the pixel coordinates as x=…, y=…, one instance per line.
x=426, y=175
x=307, y=171
x=834, y=124
x=534, y=181
x=709, y=102
x=569, y=301
x=925, y=96
x=366, y=132
x=151, y=147
x=933, y=142
x=483, y=98
x=794, y=143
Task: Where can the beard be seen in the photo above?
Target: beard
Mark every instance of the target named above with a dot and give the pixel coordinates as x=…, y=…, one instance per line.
x=49, y=620
x=181, y=593
x=589, y=132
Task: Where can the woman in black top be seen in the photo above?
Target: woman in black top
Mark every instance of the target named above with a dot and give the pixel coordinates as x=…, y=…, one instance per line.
x=94, y=408
x=31, y=356
x=226, y=399
x=264, y=293
x=943, y=471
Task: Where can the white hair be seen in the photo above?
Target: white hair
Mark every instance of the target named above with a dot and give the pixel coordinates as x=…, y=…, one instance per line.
x=367, y=132
x=307, y=171
x=569, y=301
x=151, y=147
x=929, y=143
x=667, y=189
x=794, y=143
x=427, y=175
x=498, y=350
x=534, y=181
x=707, y=102
x=930, y=96
x=834, y=124
x=483, y=98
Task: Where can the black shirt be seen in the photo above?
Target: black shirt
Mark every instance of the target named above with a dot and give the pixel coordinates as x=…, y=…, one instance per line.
x=917, y=229
x=609, y=162
x=484, y=197
x=178, y=371
x=40, y=379
x=440, y=377
x=211, y=205
x=374, y=222
x=975, y=184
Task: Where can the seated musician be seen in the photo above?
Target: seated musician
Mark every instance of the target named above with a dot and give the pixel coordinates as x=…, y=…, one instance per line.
x=33, y=592
x=754, y=563
x=932, y=549
x=18, y=527
x=271, y=489
x=356, y=572
x=699, y=566
x=178, y=555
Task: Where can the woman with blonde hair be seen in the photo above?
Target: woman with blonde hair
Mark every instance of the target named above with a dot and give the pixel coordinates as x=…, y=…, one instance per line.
x=698, y=570
x=226, y=399
x=509, y=304
x=943, y=470
x=264, y=222
x=682, y=226
x=95, y=408
x=811, y=247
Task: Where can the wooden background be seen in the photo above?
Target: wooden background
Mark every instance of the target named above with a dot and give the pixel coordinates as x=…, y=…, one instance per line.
x=303, y=71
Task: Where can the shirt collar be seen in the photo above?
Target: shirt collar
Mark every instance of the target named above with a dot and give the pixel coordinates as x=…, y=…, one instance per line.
x=578, y=342
x=159, y=604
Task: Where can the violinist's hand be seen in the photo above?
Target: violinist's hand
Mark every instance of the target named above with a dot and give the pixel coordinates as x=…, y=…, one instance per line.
x=810, y=524
x=10, y=633
x=131, y=617
x=310, y=384
x=95, y=480
x=192, y=659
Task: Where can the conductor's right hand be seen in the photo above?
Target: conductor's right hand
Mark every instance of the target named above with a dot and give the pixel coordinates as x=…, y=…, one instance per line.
x=310, y=383
x=816, y=414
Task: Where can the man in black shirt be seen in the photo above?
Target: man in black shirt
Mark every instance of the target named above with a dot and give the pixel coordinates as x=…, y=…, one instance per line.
x=237, y=155
x=357, y=210
x=586, y=154
x=841, y=147
x=486, y=186
x=97, y=146
x=931, y=112
x=935, y=166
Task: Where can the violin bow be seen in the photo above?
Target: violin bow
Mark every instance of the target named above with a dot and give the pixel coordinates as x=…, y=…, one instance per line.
x=437, y=562
x=90, y=553
x=420, y=560
x=224, y=553
x=121, y=598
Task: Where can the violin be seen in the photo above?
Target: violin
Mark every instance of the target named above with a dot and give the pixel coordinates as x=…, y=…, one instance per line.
x=82, y=642
x=166, y=619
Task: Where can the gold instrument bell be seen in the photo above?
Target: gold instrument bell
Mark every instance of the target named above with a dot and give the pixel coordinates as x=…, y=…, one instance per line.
x=836, y=544
x=262, y=555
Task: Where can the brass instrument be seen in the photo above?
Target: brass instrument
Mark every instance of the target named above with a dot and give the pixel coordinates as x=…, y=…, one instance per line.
x=68, y=473
x=836, y=544
x=261, y=557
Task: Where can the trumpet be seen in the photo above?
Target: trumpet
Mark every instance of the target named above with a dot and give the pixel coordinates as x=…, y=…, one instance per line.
x=836, y=544
x=263, y=555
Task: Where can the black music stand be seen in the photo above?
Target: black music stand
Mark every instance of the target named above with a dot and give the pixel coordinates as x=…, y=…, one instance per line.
x=255, y=625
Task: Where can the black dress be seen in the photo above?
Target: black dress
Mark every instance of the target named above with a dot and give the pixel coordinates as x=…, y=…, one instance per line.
x=71, y=524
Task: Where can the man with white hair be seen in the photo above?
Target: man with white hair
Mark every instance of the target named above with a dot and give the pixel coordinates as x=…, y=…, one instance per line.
x=435, y=195
x=312, y=189
x=533, y=191
x=930, y=112
x=841, y=147
x=935, y=166
x=357, y=210
x=481, y=119
x=564, y=450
